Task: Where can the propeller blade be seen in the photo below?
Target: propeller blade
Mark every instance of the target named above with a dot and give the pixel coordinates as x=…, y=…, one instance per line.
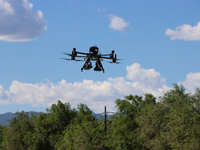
x=79, y=60
x=67, y=54
x=73, y=55
x=65, y=58
x=115, y=58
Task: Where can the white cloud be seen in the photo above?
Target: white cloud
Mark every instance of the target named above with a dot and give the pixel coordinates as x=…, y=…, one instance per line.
x=117, y=23
x=19, y=22
x=148, y=76
x=5, y=8
x=185, y=32
x=191, y=82
x=4, y=96
x=94, y=94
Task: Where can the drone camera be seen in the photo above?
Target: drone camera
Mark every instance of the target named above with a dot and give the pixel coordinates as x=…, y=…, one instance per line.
x=97, y=68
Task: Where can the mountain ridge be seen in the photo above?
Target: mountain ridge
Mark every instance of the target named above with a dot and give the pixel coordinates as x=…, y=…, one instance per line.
x=9, y=115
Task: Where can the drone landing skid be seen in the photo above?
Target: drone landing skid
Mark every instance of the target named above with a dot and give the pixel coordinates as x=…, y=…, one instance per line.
x=88, y=68
x=87, y=65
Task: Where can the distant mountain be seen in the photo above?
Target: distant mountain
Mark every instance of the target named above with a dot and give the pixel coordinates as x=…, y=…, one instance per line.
x=5, y=117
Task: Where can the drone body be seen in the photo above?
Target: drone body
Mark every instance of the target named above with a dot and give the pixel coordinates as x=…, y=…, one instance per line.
x=93, y=55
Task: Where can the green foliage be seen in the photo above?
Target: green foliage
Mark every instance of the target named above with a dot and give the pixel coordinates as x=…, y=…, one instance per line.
x=83, y=133
x=173, y=123
x=52, y=124
x=184, y=119
x=38, y=131
x=1, y=136
x=140, y=123
x=152, y=120
x=18, y=133
x=123, y=131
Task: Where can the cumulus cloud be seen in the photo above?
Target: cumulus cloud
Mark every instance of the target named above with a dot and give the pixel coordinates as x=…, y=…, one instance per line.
x=19, y=22
x=117, y=23
x=149, y=77
x=191, y=82
x=4, y=96
x=94, y=94
x=185, y=32
x=5, y=8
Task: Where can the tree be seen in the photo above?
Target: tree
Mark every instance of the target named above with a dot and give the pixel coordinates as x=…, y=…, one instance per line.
x=83, y=132
x=40, y=131
x=139, y=123
x=123, y=131
x=50, y=125
x=152, y=121
x=184, y=118
x=1, y=136
x=172, y=123
x=19, y=132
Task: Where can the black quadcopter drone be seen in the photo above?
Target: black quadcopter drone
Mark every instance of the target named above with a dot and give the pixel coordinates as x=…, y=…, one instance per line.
x=93, y=55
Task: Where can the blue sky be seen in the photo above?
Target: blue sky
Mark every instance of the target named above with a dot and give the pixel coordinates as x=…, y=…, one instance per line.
x=158, y=41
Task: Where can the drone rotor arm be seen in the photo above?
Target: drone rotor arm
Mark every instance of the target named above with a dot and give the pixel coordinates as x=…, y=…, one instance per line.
x=105, y=57
x=65, y=58
x=114, y=62
x=82, y=53
x=71, y=59
x=80, y=56
x=67, y=54
x=104, y=54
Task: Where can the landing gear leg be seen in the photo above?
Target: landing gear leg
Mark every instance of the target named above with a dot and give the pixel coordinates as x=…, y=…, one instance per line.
x=98, y=63
x=87, y=65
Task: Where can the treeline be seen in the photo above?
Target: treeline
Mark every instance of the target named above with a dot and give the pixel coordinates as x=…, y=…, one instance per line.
x=171, y=122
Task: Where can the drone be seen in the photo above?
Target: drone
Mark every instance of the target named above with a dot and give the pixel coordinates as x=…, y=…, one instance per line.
x=93, y=55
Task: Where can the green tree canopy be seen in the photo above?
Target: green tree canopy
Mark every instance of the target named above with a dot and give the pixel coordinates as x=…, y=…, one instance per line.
x=141, y=122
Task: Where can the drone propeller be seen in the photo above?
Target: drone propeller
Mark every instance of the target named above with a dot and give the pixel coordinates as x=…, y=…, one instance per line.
x=67, y=54
x=73, y=55
x=71, y=59
x=114, y=60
